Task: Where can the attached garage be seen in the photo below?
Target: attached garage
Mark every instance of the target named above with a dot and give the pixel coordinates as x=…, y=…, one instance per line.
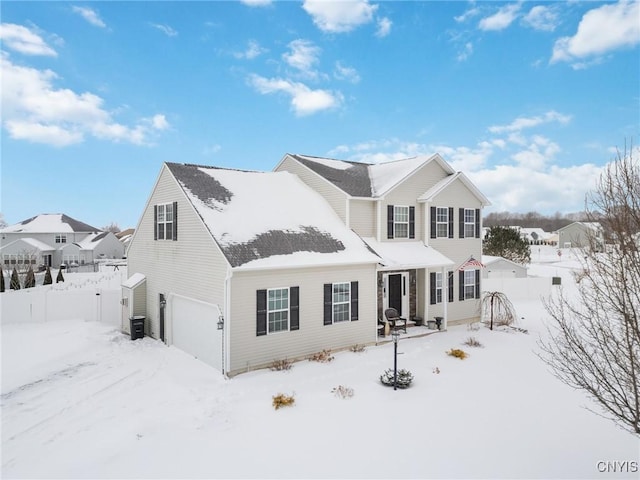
x=194, y=329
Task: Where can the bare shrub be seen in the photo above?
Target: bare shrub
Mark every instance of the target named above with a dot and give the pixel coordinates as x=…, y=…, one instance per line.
x=282, y=400
x=323, y=357
x=456, y=352
x=281, y=365
x=357, y=348
x=342, y=392
x=473, y=342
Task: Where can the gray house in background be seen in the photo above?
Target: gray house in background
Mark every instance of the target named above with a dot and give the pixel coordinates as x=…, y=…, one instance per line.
x=577, y=235
x=499, y=267
x=54, y=239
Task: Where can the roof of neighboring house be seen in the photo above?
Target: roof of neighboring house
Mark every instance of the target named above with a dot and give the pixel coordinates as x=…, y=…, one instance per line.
x=50, y=223
x=92, y=240
x=364, y=179
x=587, y=225
x=268, y=219
x=125, y=233
x=412, y=254
x=490, y=259
x=37, y=244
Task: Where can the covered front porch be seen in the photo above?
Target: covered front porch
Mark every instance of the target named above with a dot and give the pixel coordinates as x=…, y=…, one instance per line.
x=408, y=278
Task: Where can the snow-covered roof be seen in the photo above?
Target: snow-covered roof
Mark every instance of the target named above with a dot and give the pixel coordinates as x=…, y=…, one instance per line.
x=50, y=223
x=490, y=259
x=92, y=240
x=134, y=280
x=364, y=179
x=32, y=242
x=412, y=254
x=269, y=219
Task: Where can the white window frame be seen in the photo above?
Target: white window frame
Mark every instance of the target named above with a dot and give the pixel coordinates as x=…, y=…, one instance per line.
x=469, y=284
x=442, y=218
x=162, y=221
x=469, y=223
x=61, y=238
x=279, y=310
x=401, y=211
x=341, y=303
x=438, y=287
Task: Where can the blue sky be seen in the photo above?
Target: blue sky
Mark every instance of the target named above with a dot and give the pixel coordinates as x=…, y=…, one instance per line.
x=529, y=99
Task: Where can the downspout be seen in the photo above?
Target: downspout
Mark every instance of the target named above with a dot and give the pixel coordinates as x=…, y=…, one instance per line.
x=227, y=321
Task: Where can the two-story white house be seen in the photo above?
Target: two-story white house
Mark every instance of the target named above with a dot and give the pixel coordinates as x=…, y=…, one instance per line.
x=52, y=239
x=244, y=268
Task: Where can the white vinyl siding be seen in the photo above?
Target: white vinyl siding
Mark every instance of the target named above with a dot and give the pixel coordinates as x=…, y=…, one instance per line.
x=194, y=259
x=250, y=351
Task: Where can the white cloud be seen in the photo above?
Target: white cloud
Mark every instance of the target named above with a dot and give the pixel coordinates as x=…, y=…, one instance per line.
x=384, y=27
x=342, y=72
x=470, y=13
x=252, y=51
x=304, y=101
x=211, y=149
x=257, y=3
x=521, y=123
x=90, y=15
x=23, y=40
x=600, y=31
x=501, y=19
x=303, y=56
x=541, y=18
x=339, y=16
x=466, y=52
x=35, y=110
x=166, y=29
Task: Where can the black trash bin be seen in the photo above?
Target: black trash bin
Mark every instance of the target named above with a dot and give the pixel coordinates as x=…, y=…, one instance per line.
x=137, y=327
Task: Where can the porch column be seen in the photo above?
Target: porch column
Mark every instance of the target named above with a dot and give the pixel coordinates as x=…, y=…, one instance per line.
x=445, y=297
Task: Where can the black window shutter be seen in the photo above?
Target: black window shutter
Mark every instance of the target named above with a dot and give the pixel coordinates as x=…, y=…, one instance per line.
x=477, y=223
x=155, y=222
x=432, y=287
x=354, y=301
x=478, y=283
x=433, y=222
x=261, y=312
x=294, y=308
x=461, y=222
x=450, y=222
x=450, y=275
x=175, y=221
x=412, y=222
x=461, y=285
x=328, y=303
x=389, y=221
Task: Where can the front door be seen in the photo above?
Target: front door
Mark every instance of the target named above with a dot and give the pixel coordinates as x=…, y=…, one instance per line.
x=396, y=293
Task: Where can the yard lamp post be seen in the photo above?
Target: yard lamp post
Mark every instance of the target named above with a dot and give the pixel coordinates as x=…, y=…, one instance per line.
x=395, y=335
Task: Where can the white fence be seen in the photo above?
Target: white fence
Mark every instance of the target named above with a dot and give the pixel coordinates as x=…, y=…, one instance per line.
x=530, y=288
x=87, y=296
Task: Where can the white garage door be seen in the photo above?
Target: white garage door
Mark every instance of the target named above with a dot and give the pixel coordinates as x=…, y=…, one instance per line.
x=194, y=329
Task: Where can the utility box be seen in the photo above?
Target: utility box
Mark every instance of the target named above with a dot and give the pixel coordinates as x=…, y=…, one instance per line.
x=137, y=327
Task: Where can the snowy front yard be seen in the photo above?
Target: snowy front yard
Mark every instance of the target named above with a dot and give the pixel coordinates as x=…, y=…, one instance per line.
x=81, y=400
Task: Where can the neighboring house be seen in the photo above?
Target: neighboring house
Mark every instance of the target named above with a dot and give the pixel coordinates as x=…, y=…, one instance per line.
x=577, y=235
x=305, y=258
x=125, y=237
x=54, y=239
x=535, y=236
x=499, y=267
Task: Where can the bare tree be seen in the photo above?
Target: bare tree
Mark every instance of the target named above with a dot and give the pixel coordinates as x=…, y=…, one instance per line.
x=112, y=227
x=497, y=307
x=594, y=341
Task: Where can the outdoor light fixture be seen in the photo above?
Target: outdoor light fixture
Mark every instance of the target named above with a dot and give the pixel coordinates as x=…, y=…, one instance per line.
x=395, y=335
x=220, y=322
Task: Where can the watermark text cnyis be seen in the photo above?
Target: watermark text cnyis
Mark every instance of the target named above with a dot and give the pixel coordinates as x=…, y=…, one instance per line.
x=626, y=466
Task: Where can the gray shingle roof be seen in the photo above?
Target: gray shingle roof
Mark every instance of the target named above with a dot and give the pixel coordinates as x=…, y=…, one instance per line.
x=253, y=216
x=353, y=180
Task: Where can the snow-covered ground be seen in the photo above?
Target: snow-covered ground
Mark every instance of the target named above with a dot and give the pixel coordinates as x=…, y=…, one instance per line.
x=81, y=400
